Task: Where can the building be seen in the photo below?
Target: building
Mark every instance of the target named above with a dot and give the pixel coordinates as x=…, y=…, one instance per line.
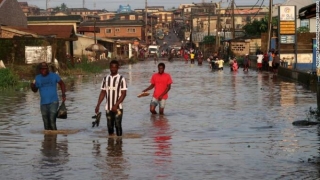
x=11, y=14
x=114, y=29
x=73, y=20
x=29, y=10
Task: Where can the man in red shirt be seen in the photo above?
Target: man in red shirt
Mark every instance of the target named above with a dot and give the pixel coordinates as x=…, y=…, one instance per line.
x=161, y=82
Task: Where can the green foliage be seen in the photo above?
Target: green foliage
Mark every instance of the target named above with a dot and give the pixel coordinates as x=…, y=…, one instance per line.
x=209, y=40
x=12, y=51
x=63, y=7
x=7, y=78
x=255, y=28
x=303, y=29
x=89, y=67
x=240, y=60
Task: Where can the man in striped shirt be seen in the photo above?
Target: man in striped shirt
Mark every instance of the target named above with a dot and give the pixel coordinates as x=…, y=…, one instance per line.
x=114, y=89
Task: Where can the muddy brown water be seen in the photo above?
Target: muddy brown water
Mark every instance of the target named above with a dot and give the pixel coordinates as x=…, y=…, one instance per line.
x=217, y=125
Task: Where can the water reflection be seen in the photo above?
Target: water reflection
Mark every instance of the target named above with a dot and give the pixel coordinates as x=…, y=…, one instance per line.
x=162, y=140
x=54, y=157
x=112, y=165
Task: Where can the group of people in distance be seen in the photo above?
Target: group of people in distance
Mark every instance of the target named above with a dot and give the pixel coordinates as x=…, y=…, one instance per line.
x=192, y=55
x=112, y=85
x=269, y=62
x=215, y=63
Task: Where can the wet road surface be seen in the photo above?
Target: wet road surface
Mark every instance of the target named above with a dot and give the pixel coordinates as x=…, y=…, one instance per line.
x=217, y=125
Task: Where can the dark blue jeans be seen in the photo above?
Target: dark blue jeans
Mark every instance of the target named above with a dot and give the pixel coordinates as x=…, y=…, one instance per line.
x=49, y=115
x=114, y=120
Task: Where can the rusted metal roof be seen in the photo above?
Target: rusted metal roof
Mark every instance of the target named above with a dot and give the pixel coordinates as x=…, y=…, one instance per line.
x=57, y=31
x=88, y=29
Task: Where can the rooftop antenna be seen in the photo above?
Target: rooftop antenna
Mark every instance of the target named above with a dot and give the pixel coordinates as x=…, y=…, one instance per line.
x=83, y=2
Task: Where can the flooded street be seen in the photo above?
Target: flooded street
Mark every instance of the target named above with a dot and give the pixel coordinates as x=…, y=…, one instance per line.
x=217, y=125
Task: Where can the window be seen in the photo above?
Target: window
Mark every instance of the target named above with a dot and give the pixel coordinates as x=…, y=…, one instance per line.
x=122, y=18
x=117, y=30
x=108, y=31
x=304, y=23
x=131, y=30
x=132, y=17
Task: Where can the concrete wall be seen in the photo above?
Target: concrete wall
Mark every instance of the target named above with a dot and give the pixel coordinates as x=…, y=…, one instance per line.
x=305, y=78
x=80, y=45
x=122, y=31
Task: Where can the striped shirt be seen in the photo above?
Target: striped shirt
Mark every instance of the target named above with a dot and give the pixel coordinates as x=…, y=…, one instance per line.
x=113, y=86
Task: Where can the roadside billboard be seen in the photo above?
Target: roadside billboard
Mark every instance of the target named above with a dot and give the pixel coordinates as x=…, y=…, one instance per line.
x=38, y=54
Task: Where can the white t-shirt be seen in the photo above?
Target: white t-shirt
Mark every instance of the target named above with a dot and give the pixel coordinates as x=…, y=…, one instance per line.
x=260, y=57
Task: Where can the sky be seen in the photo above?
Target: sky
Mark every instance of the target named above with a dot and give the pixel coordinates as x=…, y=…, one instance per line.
x=112, y=5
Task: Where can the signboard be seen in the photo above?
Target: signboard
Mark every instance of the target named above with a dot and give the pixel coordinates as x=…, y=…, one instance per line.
x=38, y=54
x=287, y=13
x=287, y=39
x=287, y=27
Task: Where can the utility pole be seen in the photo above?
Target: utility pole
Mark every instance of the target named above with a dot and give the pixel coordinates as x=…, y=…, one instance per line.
x=209, y=14
x=270, y=24
x=232, y=20
x=218, y=27
x=146, y=16
x=83, y=3
x=151, y=37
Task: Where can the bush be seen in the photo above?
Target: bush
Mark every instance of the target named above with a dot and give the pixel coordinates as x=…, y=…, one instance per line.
x=91, y=67
x=7, y=78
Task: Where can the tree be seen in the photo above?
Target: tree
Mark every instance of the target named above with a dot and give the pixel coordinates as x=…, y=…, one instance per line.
x=209, y=40
x=303, y=29
x=255, y=28
x=56, y=9
x=64, y=7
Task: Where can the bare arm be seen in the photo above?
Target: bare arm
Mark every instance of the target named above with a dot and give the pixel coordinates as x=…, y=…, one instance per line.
x=101, y=97
x=63, y=90
x=149, y=88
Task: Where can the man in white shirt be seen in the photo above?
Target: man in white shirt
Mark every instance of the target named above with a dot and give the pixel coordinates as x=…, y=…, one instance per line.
x=259, y=61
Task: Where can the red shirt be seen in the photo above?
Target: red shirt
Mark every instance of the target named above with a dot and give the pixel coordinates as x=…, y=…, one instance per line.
x=160, y=82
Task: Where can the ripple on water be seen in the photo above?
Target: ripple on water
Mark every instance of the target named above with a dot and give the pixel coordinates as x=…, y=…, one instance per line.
x=217, y=125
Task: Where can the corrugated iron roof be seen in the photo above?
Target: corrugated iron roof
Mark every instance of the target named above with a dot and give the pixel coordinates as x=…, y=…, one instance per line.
x=55, y=18
x=57, y=31
x=61, y=31
x=113, y=22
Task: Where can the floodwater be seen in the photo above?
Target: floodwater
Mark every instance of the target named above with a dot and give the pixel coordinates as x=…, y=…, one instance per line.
x=217, y=125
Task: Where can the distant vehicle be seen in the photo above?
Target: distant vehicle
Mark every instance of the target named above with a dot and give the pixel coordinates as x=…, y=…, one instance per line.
x=153, y=50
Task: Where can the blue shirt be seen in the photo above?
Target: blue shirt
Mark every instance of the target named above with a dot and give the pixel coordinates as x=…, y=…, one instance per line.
x=270, y=56
x=48, y=87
